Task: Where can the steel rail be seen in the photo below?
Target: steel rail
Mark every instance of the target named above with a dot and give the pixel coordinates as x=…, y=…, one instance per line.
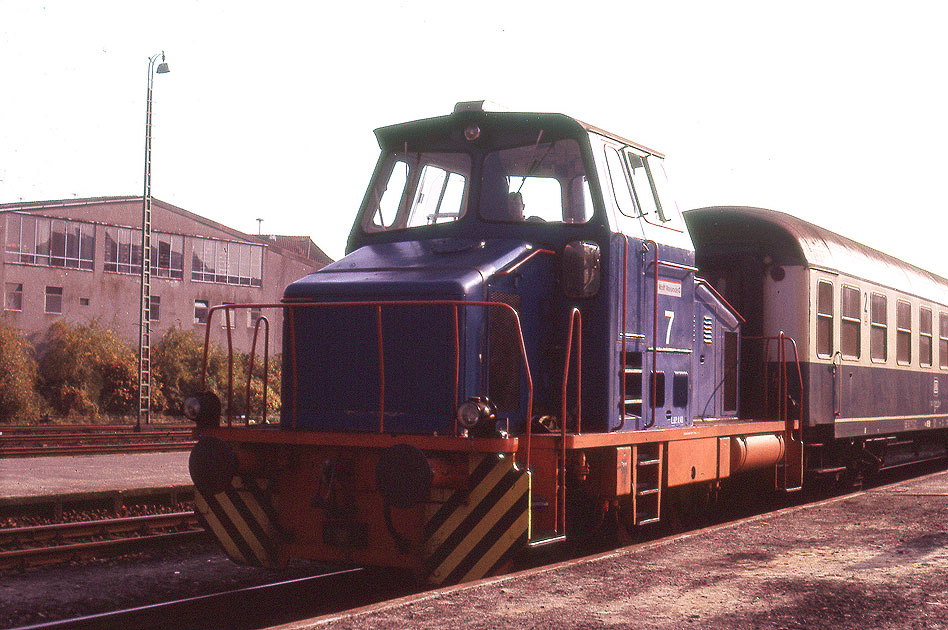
x=250, y=607
x=34, y=533
x=56, y=554
x=93, y=449
x=63, y=438
x=88, y=428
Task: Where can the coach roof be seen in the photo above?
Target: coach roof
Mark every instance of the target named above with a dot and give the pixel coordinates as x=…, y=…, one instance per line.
x=790, y=241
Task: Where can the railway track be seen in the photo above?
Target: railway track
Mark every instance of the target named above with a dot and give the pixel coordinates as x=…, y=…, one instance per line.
x=336, y=592
x=39, y=441
x=245, y=608
x=38, y=545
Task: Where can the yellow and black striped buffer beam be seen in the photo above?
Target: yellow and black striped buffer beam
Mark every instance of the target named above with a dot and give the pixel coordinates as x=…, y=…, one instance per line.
x=477, y=529
x=243, y=521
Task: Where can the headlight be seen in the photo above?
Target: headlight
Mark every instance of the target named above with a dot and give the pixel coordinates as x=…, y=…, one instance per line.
x=192, y=407
x=468, y=414
x=204, y=408
x=474, y=411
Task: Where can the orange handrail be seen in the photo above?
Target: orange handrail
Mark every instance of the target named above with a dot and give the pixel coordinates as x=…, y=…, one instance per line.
x=574, y=317
x=378, y=305
x=266, y=365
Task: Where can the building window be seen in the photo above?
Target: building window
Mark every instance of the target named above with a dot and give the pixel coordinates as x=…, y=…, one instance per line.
x=878, y=328
x=253, y=315
x=226, y=262
x=228, y=316
x=154, y=308
x=200, y=311
x=167, y=256
x=123, y=253
x=903, y=334
x=850, y=338
x=123, y=250
x=54, y=300
x=943, y=340
x=52, y=242
x=13, y=297
x=925, y=336
x=83, y=301
x=824, y=319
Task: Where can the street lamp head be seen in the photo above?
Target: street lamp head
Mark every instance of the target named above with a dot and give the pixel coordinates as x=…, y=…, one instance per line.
x=163, y=68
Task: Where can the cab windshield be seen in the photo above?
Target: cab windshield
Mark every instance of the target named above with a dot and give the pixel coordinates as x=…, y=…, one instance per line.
x=537, y=182
x=415, y=189
x=540, y=182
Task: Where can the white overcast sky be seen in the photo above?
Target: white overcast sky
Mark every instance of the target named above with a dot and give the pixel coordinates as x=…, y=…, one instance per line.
x=836, y=112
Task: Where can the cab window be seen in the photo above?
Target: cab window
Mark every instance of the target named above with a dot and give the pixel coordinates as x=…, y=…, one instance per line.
x=537, y=182
x=667, y=205
x=417, y=189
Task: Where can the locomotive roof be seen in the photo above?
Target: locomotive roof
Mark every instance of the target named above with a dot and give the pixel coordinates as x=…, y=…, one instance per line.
x=481, y=110
x=790, y=240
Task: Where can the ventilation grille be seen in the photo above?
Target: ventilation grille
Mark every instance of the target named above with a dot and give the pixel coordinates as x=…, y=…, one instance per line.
x=708, y=329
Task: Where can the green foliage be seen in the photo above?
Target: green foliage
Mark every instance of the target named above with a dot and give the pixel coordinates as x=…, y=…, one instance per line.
x=177, y=360
x=86, y=370
x=256, y=388
x=19, y=401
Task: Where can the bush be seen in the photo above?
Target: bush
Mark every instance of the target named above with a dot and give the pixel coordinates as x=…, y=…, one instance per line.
x=177, y=360
x=19, y=400
x=87, y=370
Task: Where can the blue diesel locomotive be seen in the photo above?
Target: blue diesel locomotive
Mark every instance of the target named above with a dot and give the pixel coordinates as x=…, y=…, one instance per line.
x=521, y=345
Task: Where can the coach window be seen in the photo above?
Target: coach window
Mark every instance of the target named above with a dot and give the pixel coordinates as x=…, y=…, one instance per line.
x=824, y=319
x=849, y=342
x=943, y=341
x=925, y=336
x=903, y=333
x=878, y=328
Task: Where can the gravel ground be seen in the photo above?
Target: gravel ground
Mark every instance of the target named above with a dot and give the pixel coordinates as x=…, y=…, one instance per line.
x=877, y=559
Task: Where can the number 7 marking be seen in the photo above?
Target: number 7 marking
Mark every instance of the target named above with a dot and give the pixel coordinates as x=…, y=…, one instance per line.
x=668, y=333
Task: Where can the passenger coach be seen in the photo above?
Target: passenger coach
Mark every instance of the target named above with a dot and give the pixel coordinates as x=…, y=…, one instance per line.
x=872, y=331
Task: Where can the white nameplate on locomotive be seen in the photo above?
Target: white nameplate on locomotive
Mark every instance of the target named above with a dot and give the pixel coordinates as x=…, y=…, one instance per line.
x=669, y=287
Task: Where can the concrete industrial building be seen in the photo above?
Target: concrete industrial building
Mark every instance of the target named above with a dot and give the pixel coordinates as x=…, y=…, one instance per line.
x=79, y=260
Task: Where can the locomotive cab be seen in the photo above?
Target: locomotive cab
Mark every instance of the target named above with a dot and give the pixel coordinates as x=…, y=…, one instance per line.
x=481, y=209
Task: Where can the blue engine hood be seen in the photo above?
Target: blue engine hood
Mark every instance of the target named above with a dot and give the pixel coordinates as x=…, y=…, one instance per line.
x=432, y=269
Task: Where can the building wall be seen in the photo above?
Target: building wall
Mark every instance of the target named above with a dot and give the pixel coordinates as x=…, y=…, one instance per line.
x=112, y=298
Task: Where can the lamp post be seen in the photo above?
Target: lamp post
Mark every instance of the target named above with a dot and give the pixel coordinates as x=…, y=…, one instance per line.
x=144, y=328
